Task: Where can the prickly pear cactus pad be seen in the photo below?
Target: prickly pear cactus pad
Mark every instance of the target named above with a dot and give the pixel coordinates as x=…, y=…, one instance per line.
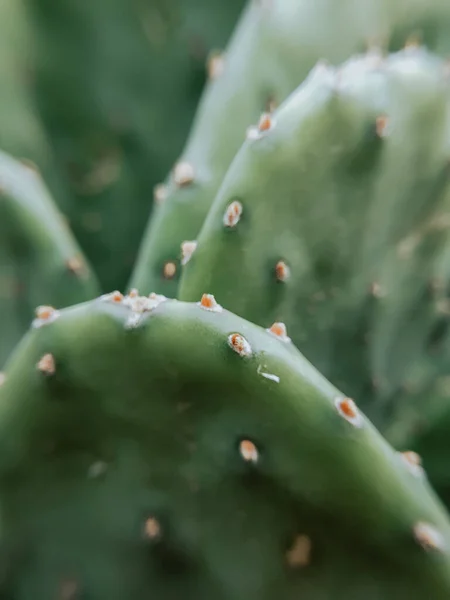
x=274, y=48
x=40, y=262
x=333, y=218
x=152, y=448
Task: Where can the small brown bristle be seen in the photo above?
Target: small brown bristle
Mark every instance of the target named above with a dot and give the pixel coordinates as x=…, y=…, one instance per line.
x=47, y=364
x=376, y=290
x=187, y=250
x=183, y=174
x=414, y=463
x=169, y=270
x=133, y=293
x=239, y=344
x=215, y=65
x=265, y=122
x=44, y=313
x=282, y=271
x=160, y=193
x=412, y=457
x=382, y=126
x=348, y=409
x=300, y=552
x=75, y=265
x=232, y=214
x=428, y=537
x=117, y=296
x=279, y=330
x=248, y=451
x=152, y=528
x=208, y=301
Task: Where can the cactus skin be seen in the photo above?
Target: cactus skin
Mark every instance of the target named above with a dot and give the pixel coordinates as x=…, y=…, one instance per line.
x=40, y=262
x=341, y=190
x=21, y=131
x=271, y=53
x=141, y=455
x=116, y=84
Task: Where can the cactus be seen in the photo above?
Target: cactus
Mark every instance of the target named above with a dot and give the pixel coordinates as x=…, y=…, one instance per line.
x=152, y=448
x=333, y=218
x=40, y=262
x=116, y=83
x=271, y=53
x=21, y=132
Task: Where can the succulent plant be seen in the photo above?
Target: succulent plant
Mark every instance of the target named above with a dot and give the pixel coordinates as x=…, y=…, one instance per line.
x=274, y=48
x=22, y=133
x=165, y=448
x=334, y=219
x=149, y=446
x=116, y=83
x=40, y=261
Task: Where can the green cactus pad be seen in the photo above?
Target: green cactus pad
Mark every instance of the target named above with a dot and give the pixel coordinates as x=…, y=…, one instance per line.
x=40, y=262
x=274, y=48
x=334, y=220
x=152, y=448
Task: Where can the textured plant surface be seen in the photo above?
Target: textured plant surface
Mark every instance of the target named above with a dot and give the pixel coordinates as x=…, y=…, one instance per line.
x=116, y=83
x=275, y=46
x=167, y=449
x=21, y=131
x=334, y=219
x=151, y=448
x=40, y=261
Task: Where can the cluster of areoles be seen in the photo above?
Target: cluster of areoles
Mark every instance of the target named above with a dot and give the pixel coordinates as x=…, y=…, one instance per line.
x=139, y=305
x=424, y=533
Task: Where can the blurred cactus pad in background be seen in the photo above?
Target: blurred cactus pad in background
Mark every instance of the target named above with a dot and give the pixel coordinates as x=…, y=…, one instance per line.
x=225, y=299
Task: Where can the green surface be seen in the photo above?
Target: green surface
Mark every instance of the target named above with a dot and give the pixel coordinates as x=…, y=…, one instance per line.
x=40, y=261
x=350, y=189
x=272, y=51
x=146, y=422
x=116, y=83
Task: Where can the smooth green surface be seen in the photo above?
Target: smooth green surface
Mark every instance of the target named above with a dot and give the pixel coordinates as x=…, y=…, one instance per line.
x=146, y=422
x=37, y=252
x=273, y=49
x=359, y=216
